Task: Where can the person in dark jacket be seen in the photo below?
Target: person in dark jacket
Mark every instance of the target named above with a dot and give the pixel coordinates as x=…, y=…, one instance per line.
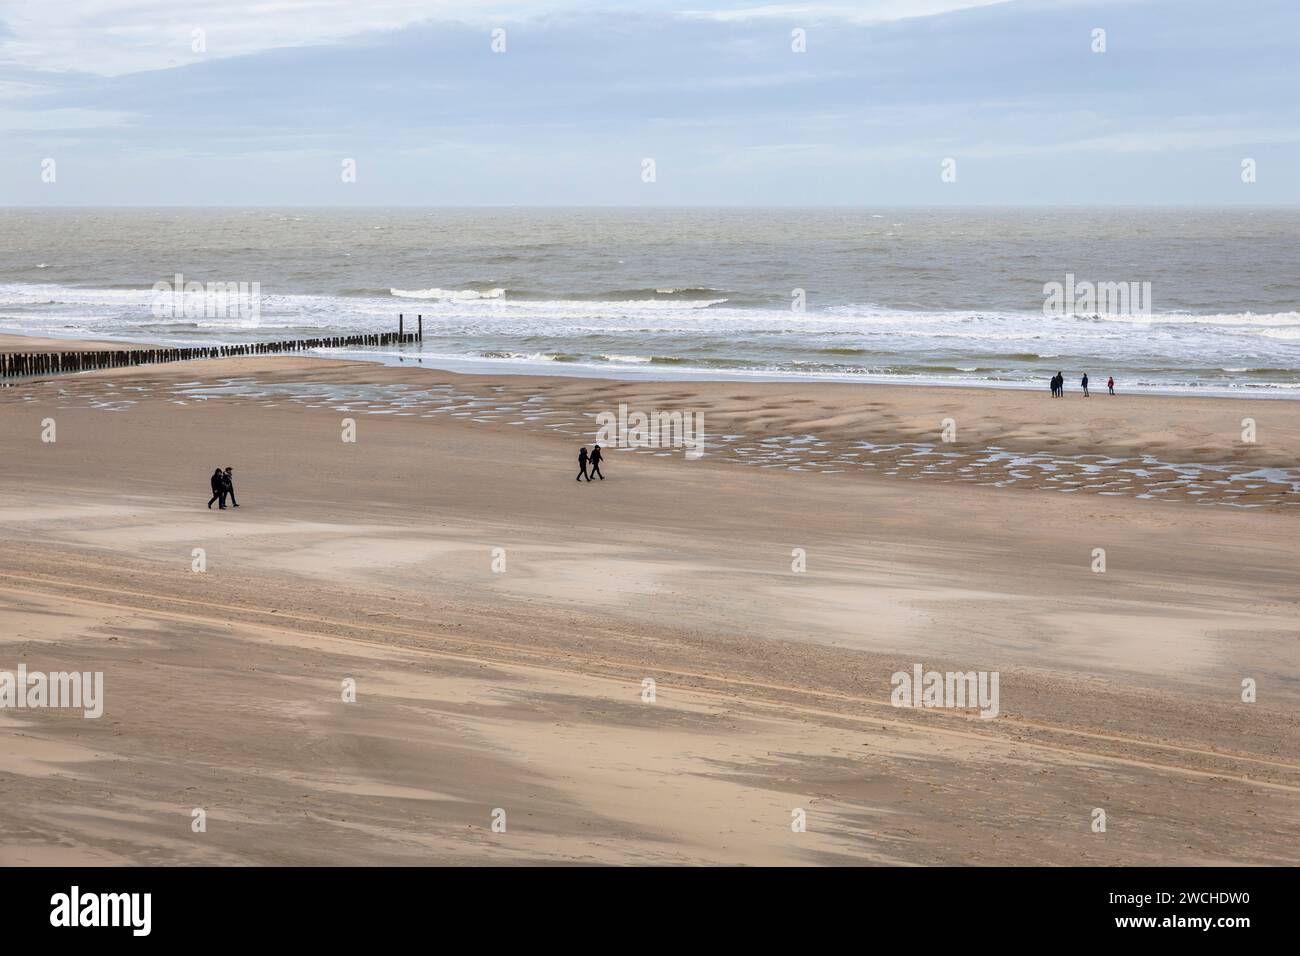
x=1084, y=383
x=596, y=458
x=218, y=488
x=229, y=482
x=582, y=465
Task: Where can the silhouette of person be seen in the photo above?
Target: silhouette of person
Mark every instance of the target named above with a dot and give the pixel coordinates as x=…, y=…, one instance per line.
x=596, y=458
x=228, y=480
x=218, y=488
x=1084, y=383
x=1110, y=385
x=582, y=465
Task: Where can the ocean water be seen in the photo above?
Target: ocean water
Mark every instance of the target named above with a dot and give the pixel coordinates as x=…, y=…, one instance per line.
x=899, y=295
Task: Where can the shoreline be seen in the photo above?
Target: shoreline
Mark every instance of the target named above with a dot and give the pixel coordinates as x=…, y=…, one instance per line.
x=481, y=367
x=1170, y=450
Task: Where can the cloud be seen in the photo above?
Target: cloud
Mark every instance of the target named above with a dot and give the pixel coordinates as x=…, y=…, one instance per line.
x=17, y=89
x=730, y=111
x=118, y=37
x=867, y=11
x=1177, y=138
x=61, y=119
x=746, y=81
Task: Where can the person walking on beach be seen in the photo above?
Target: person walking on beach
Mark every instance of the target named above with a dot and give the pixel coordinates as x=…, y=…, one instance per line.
x=1084, y=383
x=596, y=458
x=218, y=488
x=228, y=480
x=1110, y=384
x=582, y=465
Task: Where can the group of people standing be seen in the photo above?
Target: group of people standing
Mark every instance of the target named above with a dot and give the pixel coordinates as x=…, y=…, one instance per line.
x=1058, y=385
x=593, y=461
x=223, y=485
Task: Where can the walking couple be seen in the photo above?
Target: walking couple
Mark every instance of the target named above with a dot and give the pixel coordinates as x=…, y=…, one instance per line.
x=593, y=460
x=223, y=483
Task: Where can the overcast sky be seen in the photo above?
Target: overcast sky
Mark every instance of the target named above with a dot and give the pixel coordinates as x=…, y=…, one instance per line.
x=267, y=101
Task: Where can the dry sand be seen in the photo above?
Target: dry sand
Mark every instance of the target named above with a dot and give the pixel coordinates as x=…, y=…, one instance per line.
x=523, y=690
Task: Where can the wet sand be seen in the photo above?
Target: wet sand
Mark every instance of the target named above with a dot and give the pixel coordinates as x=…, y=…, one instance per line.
x=521, y=687
x=36, y=343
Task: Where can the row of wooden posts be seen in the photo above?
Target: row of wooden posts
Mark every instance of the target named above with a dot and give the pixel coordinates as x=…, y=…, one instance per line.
x=14, y=364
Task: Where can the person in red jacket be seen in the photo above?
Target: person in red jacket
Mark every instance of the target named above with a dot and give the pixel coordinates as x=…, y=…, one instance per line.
x=1110, y=384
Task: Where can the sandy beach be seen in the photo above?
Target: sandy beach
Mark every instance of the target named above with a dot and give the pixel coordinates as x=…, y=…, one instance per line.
x=500, y=622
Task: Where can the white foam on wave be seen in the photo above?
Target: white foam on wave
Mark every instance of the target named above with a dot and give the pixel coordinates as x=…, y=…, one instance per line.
x=497, y=298
x=454, y=295
x=1263, y=319
x=618, y=336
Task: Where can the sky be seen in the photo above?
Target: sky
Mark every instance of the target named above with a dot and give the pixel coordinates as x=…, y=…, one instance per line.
x=648, y=102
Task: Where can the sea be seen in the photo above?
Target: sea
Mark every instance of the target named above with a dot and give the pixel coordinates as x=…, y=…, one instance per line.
x=958, y=296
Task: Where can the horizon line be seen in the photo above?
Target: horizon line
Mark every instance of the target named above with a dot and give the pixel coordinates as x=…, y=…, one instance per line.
x=1294, y=205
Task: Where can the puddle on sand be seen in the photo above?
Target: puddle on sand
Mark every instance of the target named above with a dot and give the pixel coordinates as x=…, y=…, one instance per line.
x=1143, y=476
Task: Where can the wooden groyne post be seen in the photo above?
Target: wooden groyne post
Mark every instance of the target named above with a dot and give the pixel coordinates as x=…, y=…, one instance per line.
x=20, y=364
